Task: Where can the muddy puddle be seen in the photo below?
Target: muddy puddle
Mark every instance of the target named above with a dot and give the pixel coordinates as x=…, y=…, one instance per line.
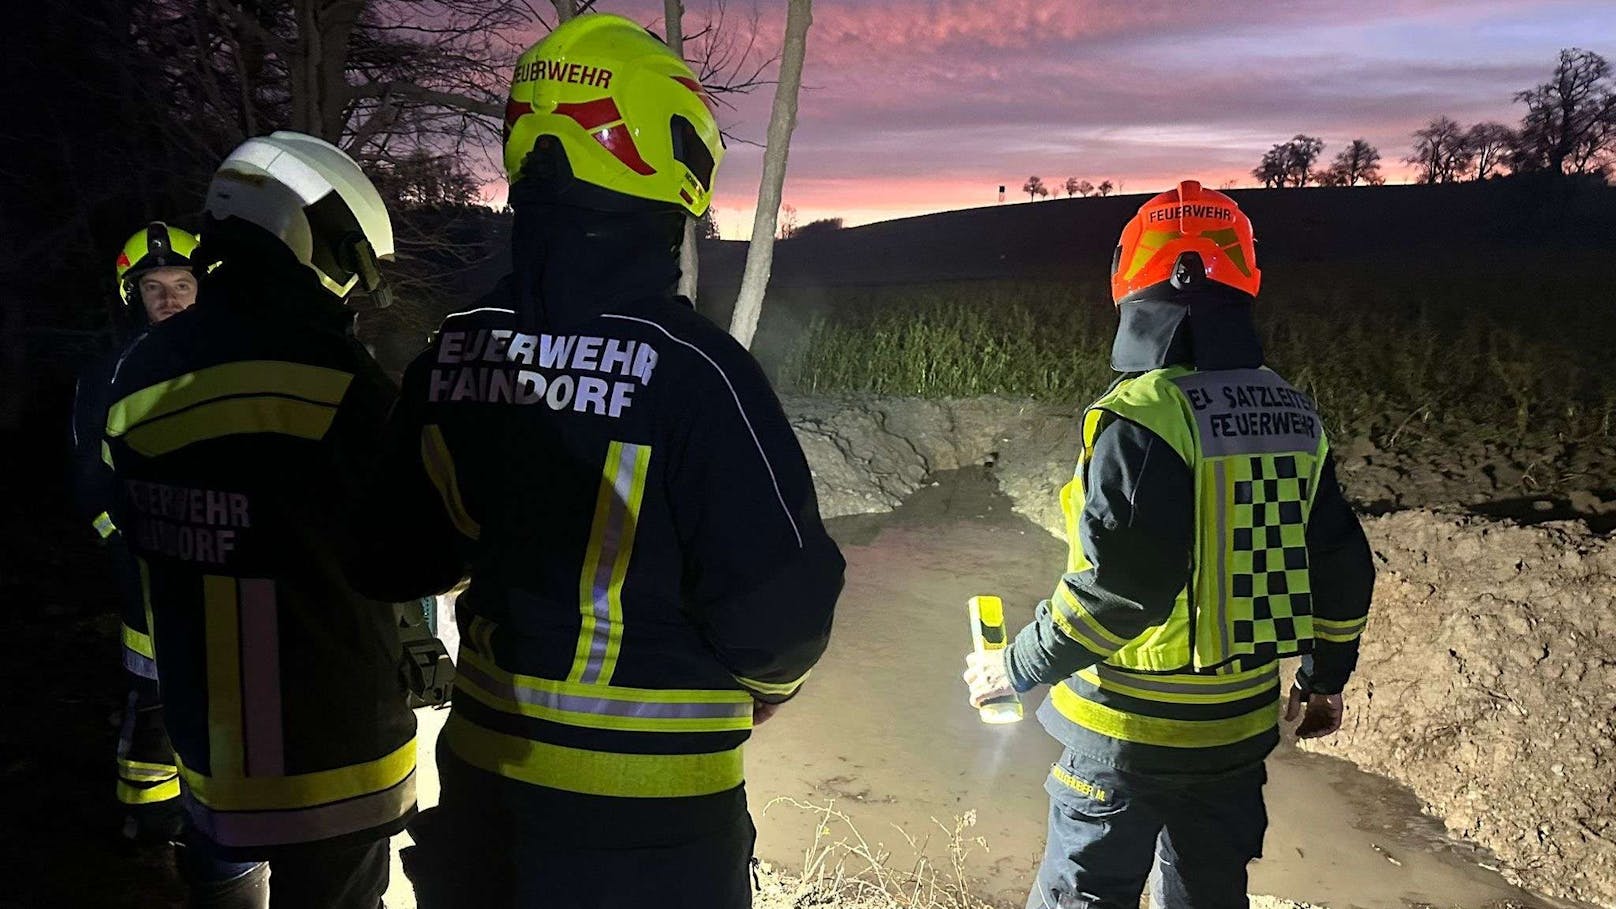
x=882, y=731
x=882, y=728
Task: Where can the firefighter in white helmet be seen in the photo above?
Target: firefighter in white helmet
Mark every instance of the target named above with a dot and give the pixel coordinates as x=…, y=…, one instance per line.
x=238, y=435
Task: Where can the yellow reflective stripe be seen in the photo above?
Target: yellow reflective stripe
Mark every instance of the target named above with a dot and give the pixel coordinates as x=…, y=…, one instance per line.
x=221, y=620
x=138, y=642
x=148, y=795
x=301, y=790
x=1074, y=621
x=106, y=454
x=145, y=771
x=603, y=706
x=440, y=468
x=1340, y=632
x=316, y=384
x=1183, y=689
x=593, y=772
x=104, y=526
x=232, y=416
x=774, y=689
x=611, y=544
x=1149, y=730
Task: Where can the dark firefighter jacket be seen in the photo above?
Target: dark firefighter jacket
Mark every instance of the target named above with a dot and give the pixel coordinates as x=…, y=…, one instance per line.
x=639, y=524
x=1147, y=535
x=239, y=432
x=148, y=780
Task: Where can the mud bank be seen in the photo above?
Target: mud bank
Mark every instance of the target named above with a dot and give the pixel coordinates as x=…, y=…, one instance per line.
x=1484, y=685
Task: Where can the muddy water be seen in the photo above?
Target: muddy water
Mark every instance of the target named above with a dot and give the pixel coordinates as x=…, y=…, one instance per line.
x=882, y=728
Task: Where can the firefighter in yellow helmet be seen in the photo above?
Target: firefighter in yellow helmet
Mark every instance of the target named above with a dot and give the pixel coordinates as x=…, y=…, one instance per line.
x=1209, y=539
x=649, y=572
x=154, y=278
x=240, y=432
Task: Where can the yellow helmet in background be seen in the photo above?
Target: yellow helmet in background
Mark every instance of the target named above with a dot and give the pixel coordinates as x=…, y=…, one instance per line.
x=155, y=246
x=628, y=115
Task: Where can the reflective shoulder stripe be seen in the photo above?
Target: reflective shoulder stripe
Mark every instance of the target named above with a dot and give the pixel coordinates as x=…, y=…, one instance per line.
x=302, y=790
x=1075, y=622
x=313, y=384
x=596, y=706
x=104, y=526
x=1339, y=632
x=593, y=772
x=232, y=416
x=139, y=642
x=106, y=454
x=148, y=795
x=440, y=468
x=303, y=825
x=1148, y=730
x=775, y=689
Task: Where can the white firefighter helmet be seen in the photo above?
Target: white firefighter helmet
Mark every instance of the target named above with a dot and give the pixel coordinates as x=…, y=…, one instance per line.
x=315, y=199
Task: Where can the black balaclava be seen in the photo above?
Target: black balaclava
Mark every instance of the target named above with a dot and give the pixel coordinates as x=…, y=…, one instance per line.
x=1207, y=327
x=247, y=267
x=574, y=257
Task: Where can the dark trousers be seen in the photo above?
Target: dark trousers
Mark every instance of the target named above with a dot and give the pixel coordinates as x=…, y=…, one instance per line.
x=1108, y=828
x=472, y=851
x=314, y=876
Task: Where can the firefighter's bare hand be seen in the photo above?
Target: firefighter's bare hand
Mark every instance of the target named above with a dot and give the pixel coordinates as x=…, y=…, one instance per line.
x=762, y=711
x=1320, y=713
x=987, y=677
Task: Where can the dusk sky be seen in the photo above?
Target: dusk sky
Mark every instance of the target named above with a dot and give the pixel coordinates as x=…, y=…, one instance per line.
x=915, y=106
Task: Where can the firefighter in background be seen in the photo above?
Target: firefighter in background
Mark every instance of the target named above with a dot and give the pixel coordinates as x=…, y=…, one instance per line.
x=650, y=576
x=1209, y=539
x=153, y=271
x=239, y=434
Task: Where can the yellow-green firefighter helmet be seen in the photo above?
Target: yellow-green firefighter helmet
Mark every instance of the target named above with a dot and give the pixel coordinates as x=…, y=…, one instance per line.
x=154, y=246
x=628, y=114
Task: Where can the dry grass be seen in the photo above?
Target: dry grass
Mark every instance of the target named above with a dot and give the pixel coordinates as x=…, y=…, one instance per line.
x=841, y=868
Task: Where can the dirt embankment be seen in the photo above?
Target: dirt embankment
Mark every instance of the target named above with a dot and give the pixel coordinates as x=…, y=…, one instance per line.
x=1484, y=685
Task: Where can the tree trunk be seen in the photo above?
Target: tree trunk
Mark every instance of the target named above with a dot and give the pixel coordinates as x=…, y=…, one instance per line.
x=673, y=15
x=565, y=9
x=760, y=252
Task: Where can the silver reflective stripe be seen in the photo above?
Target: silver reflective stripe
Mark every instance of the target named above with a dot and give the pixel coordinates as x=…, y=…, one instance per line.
x=1079, y=624
x=600, y=706
x=1153, y=683
x=139, y=664
x=1220, y=479
x=271, y=828
x=611, y=542
x=264, y=745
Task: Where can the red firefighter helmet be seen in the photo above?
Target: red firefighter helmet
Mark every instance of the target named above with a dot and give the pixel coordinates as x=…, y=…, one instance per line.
x=1183, y=237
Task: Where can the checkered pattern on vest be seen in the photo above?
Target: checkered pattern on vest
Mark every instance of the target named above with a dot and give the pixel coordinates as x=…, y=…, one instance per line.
x=1271, y=600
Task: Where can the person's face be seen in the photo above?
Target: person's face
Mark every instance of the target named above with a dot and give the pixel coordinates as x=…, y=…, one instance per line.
x=166, y=291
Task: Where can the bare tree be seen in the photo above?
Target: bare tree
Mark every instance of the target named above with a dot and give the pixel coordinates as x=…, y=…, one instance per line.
x=1034, y=187
x=1358, y=163
x=1489, y=144
x=1084, y=188
x=1105, y=188
x=1440, y=152
x=1570, y=122
x=1289, y=163
x=782, y=120
x=1071, y=186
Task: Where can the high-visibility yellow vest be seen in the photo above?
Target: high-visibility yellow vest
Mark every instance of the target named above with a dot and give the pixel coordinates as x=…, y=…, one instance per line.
x=1255, y=447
